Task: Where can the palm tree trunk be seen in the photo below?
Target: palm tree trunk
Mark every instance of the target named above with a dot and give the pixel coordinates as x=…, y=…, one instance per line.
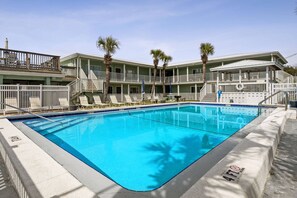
x=154, y=82
x=107, y=82
x=163, y=80
x=204, y=72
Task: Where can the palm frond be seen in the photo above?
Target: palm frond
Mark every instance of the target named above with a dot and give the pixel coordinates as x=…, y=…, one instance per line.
x=206, y=49
x=109, y=45
x=156, y=53
x=166, y=59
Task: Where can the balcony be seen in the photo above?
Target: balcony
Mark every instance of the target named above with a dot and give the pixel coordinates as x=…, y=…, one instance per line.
x=14, y=60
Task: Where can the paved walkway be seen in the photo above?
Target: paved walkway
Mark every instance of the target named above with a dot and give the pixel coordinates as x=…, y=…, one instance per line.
x=6, y=188
x=282, y=182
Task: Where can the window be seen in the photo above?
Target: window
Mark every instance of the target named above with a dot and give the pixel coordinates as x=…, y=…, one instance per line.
x=118, y=70
x=118, y=90
x=110, y=90
x=134, y=90
x=197, y=71
x=192, y=89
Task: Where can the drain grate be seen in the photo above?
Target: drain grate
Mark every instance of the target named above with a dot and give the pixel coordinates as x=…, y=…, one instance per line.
x=15, y=138
x=233, y=173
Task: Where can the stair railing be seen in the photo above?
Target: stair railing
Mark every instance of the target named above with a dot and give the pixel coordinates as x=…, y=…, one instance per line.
x=260, y=104
x=34, y=114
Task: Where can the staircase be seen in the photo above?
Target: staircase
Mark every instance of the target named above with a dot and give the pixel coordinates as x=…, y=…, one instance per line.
x=209, y=97
x=84, y=84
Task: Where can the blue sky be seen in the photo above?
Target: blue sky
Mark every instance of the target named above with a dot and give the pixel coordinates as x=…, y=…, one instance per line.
x=177, y=27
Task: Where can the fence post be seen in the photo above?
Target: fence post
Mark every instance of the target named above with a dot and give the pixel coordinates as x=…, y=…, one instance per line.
x=18, y=95
x=68, y=96
x=40, y=93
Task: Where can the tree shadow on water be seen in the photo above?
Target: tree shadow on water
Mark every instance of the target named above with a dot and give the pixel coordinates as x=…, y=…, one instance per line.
x=172, y=159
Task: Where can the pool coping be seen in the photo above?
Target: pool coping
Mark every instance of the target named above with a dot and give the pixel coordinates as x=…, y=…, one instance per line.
x=255, y=154
x=120, y=108
x=111, y=189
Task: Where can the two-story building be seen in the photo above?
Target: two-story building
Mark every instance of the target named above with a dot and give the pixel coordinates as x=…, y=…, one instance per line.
x=237, y=73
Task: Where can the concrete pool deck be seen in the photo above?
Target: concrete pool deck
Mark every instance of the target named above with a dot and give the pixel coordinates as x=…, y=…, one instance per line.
x=282, y=180
x=47, y=178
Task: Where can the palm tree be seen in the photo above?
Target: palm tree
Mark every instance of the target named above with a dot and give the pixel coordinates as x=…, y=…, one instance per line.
x=205, y=50
x=166, y=59
x=157, y=54
x=109, y=45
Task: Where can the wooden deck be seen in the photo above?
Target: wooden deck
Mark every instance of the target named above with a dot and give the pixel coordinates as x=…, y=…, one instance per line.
x=15, y=60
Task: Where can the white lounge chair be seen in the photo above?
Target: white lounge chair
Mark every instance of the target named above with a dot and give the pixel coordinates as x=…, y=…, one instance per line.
x=129, y=100
x=154, y=99
x=35, y=104
x=10, y=101
x=64, y=103
x=98, y=102
x=157, y=99
x=114, y=100
x=84, y=102
x=136, y=99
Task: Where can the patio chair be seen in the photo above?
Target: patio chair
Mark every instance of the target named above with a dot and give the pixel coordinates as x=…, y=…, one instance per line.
x=35, y=104
x=84, y=102
x=148, y=98
x=12, y=102
x=64, y=103
x=155, y=99
x=97, y=101
x=136, y=99
x=129, y=100
x=114, y=100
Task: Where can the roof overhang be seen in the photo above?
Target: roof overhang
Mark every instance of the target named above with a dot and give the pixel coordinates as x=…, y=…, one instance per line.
x=32, y=73
x=248, y=65
x=234, y=57
x=119, y=61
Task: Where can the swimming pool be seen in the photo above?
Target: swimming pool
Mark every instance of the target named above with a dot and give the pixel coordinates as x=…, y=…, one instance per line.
x=142, y=149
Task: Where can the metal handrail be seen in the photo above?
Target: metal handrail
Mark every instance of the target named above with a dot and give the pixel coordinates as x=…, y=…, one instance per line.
x=286, y=100
x=28, y=112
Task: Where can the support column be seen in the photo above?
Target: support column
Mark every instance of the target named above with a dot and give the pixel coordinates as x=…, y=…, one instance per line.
x=1, y=79
x=218, y=86
x=177, y=75
x=122, y=92
x=128, y=89
x=187, y=74
x=48, y=80
x=89, y=68
x=195, y=91
x=77, y=68
x=124, y=72
x=178, y=90
x=239, y=76
x=160, y=75
x=267, y=78
x=173, y=75
x=79, y=65
x=274, y=77
x=137, y=73
x=150, y=75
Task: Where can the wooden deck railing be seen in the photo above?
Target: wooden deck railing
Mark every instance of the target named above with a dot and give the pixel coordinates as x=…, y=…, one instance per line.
x=15, y=60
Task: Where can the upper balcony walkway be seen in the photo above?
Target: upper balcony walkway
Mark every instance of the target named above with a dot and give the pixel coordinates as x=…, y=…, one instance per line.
x=15, y=60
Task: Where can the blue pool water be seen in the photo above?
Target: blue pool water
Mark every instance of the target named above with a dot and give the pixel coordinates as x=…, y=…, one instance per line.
x=143, y=149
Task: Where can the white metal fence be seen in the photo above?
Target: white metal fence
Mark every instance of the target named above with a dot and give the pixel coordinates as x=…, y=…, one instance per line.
x=243, y=97
x=49, y=94
x=256, y=97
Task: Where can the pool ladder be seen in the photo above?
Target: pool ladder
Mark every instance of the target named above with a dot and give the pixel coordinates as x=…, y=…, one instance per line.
x=260, y=104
